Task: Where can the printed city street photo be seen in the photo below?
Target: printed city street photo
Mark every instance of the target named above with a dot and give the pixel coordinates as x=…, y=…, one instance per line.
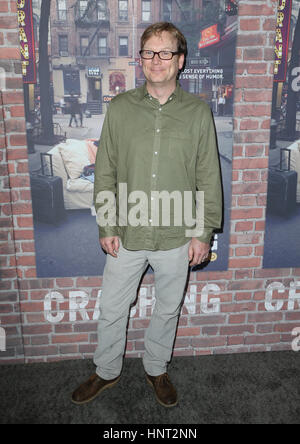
x=76, y=57
x=282, y=231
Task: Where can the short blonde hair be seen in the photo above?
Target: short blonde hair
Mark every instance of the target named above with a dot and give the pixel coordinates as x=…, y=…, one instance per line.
x=158, y=28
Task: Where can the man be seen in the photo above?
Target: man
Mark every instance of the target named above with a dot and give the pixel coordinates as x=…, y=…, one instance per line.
x=73, y=109
x=79, y=110
x=155, y=139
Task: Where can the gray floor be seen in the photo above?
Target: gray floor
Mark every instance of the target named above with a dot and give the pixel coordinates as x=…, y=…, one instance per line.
x=245, y=388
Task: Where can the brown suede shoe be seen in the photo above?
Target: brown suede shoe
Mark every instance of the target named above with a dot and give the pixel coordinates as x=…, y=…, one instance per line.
x=165, y=391
x=92, y=388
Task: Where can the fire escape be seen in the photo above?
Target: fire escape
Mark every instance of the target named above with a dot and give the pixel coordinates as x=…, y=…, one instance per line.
x=92, y=17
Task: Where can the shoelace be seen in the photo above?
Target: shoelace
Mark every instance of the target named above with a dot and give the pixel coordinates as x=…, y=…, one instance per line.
x=162, y=379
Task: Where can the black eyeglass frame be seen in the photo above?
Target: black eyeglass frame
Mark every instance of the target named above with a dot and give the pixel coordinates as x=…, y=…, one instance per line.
x=158, y=52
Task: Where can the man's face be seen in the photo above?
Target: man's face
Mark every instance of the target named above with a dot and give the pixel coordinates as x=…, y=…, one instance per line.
x=162, y=72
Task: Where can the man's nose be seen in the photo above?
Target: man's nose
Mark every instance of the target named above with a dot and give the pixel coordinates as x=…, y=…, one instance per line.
x=156, y=58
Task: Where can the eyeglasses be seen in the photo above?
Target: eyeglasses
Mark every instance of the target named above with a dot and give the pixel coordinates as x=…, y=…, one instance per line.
x=163, y=55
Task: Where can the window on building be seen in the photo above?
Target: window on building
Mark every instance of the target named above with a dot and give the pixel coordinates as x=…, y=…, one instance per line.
x=101, y=9
x=84, y=43
x=82, y=7
x=61, y=10
x=123, y=10
x=63, y=45
x=102, y=46
x=167, y=10
x=146, y=10
x=123, y=46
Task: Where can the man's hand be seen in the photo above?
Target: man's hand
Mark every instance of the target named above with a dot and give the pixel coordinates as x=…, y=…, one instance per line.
x=198, y=251
x=110, y=245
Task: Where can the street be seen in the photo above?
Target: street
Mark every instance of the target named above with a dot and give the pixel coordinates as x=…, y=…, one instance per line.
x=91, y=126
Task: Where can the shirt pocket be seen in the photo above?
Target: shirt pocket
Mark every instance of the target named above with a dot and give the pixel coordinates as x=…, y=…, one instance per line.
x=181, y=148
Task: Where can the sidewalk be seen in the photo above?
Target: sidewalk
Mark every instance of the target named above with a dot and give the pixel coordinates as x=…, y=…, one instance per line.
x=225, y=136
x=274, y=154
x=91, y=126
x=223, y=123
x=92, y=129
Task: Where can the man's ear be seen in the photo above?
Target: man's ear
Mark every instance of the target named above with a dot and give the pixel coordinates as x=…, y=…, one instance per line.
x=181, y=61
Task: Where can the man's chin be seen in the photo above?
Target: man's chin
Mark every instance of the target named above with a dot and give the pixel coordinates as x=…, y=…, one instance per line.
x=155, y=80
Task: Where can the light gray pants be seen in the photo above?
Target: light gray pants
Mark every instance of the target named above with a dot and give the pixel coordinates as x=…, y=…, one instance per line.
x=121, y=278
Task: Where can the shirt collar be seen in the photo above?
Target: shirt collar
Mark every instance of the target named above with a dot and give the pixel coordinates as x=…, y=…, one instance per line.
x=142, y=91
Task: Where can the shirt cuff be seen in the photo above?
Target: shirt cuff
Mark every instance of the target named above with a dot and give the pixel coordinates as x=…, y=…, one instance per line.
x=206, y=236
x=108, y=231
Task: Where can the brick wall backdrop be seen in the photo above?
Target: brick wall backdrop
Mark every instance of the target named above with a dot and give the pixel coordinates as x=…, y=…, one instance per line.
x=224, y=312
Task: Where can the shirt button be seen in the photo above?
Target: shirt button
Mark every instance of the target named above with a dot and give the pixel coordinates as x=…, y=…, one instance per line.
x=153, y=175
x=158, y=130
x=150, y=220
x=159, y=109
x=170, y=98
x=155, y=152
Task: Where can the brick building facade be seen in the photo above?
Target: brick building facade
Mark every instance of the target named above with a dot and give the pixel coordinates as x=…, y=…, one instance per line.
x=96, y=44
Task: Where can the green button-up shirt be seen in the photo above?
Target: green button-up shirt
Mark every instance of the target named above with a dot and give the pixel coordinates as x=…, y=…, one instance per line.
x=147, y=151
